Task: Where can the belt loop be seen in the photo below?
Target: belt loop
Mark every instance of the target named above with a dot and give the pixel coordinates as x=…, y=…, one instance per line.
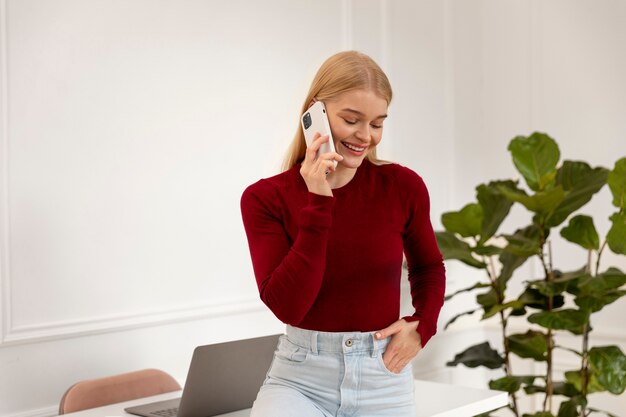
x=374, y=345
x=313, y=342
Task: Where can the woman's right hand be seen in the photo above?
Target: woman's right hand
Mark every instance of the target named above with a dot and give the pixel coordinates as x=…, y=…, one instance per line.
x=314, y=170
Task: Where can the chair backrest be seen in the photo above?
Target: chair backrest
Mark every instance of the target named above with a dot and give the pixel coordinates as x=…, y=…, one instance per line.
x=116, y=389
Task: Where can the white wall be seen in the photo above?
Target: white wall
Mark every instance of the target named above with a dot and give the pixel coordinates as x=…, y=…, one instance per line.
x=518, y=67
x=128, y=133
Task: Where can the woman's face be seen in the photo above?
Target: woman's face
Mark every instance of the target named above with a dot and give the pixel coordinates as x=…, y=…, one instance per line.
x=356, y=121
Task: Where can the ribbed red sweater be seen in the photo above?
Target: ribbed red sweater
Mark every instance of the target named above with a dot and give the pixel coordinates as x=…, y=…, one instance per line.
x=334, y=263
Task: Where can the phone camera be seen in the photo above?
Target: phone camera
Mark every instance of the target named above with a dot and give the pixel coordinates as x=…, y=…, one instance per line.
x=306, y=120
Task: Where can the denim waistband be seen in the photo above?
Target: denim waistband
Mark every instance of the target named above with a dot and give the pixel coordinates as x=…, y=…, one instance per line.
x=337, y=342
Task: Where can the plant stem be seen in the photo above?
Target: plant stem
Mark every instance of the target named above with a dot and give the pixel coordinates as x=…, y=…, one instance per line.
x=503, y=323
x=549, y=276
x=598, y=259
x=507, y=361
x=584, y=370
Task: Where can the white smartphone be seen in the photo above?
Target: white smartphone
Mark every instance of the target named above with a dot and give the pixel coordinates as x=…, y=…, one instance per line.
x=315, y=120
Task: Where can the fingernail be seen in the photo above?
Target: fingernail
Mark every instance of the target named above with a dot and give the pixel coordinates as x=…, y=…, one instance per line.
x=378, y=335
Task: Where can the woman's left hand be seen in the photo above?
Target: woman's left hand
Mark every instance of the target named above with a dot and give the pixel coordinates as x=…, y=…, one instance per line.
x=404, y=345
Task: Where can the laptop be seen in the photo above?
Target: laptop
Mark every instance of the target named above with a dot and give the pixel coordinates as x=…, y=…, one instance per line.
x=222, y=378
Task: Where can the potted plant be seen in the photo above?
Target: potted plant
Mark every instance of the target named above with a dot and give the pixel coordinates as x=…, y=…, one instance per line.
x=556, y=302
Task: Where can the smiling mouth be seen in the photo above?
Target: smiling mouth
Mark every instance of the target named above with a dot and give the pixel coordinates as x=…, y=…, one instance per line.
x=353, y=148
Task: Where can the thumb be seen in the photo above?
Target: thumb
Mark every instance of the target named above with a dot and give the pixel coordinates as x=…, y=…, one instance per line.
x=390, y=330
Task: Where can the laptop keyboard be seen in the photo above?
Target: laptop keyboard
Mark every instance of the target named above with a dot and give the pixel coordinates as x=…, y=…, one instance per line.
x=169, y=412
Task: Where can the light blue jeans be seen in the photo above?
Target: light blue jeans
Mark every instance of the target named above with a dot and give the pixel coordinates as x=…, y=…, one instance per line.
x=322, y=374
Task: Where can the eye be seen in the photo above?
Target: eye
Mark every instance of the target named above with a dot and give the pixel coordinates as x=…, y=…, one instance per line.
x=350, y=122
x=377, y=126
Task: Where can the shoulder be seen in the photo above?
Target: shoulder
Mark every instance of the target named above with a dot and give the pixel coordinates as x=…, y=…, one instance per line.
x=404, y=178
x=267, y=189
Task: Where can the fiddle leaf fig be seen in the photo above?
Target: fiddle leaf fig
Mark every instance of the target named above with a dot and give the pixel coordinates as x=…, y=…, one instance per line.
x=553, y=196
x=568, y=319
x=535, y=157
x=593, y=293
x=525, y=242
x=609, y=365
x=580, y=183
x=617, y=183
x=478, y=355
x=616, y=237
x=465, y=313
x=581, y=231
x=467, y=222
x=510, y=384
x=542, y=202
x=454, y=248
x=575, y=379
x=531, y=344
x=495, y=206
x=473, y=287
x=534, y=298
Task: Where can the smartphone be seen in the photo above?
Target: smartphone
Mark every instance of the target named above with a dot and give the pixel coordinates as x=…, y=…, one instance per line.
x=315, y=120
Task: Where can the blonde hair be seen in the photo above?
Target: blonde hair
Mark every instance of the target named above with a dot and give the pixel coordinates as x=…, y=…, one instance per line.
x=344, y=71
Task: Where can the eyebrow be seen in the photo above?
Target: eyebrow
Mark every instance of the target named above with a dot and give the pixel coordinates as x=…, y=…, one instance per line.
x=382, y=116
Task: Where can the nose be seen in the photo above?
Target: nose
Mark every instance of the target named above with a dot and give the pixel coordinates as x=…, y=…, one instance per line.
x=363, y=134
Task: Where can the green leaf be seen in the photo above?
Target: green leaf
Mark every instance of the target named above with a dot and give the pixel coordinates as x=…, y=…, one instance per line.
x=581, y=231
x=453, y=248
x=478, y=355
x=568, y=319
x=509, y=263
x=473, y=287
x=594, y=303
x=487, y=250
x=495, y=206
x=542, y=202
x=524, y=242
x=531, y=344
x=487, y=299
x=549, y=288
x=568, y=409
x=616, y=238
x=495, y=309
x=465, y=313
x=608, y=280
x=609, y=364
x=593, y=293
x=617, y=183
x=580, y=183
x=510, y=384
x=575, y=379
x=558, y=388
x=467, y=222
x=534, y=298
x=535, y=157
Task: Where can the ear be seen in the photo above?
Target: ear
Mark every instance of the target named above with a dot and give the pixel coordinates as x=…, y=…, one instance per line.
x=312, y=102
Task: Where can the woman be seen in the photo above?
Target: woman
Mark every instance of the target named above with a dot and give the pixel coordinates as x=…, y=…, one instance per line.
x=327, y=244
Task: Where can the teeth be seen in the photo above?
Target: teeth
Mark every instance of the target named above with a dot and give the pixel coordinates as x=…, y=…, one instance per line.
x=354, y=148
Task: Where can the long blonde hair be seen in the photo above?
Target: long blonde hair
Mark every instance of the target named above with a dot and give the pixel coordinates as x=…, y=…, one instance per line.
x=344, y=71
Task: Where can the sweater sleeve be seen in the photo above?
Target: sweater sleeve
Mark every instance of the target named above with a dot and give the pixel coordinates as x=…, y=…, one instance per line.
x=289, y=276
x=424, y=260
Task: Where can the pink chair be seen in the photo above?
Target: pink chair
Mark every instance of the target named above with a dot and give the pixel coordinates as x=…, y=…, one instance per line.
x=116, y=389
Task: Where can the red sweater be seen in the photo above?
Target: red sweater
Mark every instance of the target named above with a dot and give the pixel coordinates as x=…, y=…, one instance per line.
x=334, y=263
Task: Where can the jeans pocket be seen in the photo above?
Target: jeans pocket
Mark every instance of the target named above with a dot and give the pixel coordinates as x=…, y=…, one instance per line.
x=290, y=352
x=381, y=364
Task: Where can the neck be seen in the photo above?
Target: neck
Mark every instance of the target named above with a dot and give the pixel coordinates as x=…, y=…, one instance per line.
x=341, y=176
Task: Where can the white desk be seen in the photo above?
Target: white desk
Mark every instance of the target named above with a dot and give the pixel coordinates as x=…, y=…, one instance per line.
x=433, y=400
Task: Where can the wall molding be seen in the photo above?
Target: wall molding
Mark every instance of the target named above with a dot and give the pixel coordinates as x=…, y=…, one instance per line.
x=114, y=323
x=5, y=300
x=37, y=412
